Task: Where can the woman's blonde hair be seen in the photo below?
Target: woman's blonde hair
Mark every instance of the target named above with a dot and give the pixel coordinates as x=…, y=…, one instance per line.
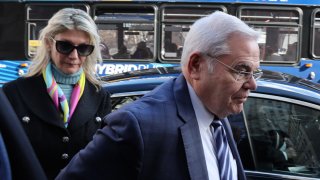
x=63, y=20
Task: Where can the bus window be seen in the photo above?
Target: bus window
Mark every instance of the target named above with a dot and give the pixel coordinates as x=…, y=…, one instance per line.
x=127, y=30
x=175, y=24
x=315, y=33
x=280, y=32
x=289, y=41
x=37, y=16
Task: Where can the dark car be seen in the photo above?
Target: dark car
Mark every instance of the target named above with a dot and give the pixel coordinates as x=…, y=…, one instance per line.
x=277, y=132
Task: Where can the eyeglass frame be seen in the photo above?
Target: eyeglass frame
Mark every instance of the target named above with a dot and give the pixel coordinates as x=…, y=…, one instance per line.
x=257, y=74
x=74, y=47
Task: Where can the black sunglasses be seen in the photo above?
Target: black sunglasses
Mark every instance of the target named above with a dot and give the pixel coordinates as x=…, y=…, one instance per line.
x=65, y=47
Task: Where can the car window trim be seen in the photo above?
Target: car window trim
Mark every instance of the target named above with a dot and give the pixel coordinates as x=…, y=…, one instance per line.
x=134, y=93
x=257, y=174
x=285, y=99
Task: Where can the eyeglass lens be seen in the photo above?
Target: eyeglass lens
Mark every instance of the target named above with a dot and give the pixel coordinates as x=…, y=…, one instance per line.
x=244, y=74
x=65, y=47
x=242, y=70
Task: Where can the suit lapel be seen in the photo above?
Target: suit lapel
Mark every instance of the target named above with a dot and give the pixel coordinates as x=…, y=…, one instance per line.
x=190, y=131
x=233, y=147
x=39, y=101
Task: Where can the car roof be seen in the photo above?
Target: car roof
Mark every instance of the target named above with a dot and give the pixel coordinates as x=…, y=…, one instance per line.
x=272, y=83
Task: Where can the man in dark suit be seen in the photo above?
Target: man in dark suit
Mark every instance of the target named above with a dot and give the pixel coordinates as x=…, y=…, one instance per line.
x=23, y=163
x=275, y=150
x=167, y=134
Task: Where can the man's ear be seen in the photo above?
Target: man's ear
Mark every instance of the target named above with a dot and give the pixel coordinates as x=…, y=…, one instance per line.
x=195, y=65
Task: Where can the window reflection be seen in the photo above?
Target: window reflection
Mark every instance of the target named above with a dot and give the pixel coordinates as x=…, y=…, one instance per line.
x=283, y=137
x=279, y=29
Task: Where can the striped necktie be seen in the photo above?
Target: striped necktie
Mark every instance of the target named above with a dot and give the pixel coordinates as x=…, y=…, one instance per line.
x=222, y=150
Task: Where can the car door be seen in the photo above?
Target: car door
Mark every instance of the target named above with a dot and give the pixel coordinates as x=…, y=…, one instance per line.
x=278, y=138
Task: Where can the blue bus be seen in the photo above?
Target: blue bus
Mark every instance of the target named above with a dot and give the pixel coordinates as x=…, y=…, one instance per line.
x=289, y=42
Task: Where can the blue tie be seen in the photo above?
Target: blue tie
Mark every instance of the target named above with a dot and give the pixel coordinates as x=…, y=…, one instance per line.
x=222, y=150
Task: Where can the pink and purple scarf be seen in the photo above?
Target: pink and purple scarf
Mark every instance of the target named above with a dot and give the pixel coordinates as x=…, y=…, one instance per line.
x=58, y=96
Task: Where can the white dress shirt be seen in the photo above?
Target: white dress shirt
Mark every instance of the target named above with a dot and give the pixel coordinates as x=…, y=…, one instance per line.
x=204, y=119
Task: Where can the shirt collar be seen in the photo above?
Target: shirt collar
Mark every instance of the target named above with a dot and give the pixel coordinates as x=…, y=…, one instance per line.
x=204, y=117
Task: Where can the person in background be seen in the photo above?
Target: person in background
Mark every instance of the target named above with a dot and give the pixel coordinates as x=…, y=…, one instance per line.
x=5, y=169
x=285, y=152
x=170, y=46
x=291, y=54
x=17, y=157
x=60, y=101
x=276, y=151
x=105, y=53
x=122, y=53
x=180, y=129
x=142, y=51
x=272, y=54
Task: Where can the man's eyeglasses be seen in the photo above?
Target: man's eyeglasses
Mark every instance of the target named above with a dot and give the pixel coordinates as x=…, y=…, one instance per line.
x=66, y=47
x=241, y=75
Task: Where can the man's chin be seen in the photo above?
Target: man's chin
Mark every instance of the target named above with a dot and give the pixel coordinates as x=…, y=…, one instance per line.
x=237, y=108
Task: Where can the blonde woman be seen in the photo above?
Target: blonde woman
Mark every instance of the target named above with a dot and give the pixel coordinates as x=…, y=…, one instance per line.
x=60, y=101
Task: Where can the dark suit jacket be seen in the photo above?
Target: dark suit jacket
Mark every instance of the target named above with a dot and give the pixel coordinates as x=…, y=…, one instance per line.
x=23, y=161
x=157, y=137
x=53, y=143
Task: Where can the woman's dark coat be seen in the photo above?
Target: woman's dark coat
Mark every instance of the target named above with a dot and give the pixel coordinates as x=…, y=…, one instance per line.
x=54, y=144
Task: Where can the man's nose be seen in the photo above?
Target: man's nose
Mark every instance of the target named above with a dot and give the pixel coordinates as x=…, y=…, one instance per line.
x=251, y=84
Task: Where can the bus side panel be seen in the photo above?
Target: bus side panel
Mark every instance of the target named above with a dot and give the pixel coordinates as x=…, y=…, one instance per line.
x=12, y=50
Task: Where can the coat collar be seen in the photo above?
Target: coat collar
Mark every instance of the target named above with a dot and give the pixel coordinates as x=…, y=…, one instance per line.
x=190, y=131
x=41, y=104
x=87, y=107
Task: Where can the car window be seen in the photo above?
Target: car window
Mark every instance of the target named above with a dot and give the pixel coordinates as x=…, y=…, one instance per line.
x=282, y=136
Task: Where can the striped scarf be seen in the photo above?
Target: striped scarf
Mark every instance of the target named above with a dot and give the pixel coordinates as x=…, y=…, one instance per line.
x=58, y=96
